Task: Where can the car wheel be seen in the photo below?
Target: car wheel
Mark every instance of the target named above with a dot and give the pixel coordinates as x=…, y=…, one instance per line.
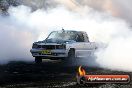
x=38, y=60
x=70, y=60
x=71, y=54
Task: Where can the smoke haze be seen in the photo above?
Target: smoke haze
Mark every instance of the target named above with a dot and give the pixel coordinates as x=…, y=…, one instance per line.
x=103, y=20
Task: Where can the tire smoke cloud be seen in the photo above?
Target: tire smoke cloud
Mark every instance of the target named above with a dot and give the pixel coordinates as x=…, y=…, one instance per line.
x=23, y=26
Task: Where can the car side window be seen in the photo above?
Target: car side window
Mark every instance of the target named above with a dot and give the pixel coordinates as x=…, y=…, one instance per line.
x=80, y=37
x=86, y=37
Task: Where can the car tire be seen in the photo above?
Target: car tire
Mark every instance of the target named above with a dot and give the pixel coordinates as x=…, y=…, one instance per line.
x=71, y=54
x=71, y=57
x=38, y=60
x=70, y=60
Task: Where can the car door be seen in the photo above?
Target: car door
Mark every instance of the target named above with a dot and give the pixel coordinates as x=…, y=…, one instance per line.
x=89, y=46
x=80, y=45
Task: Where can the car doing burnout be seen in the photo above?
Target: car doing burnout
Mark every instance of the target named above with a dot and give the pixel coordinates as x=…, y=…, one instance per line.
x=63, y=44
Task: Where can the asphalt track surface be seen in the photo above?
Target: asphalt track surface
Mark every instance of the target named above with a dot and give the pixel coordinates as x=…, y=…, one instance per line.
x=50, y=74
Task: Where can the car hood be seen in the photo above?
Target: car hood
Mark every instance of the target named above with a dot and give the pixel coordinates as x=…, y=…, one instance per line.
x=57, y=41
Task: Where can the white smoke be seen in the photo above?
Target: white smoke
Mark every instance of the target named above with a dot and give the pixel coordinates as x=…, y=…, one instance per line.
x=19, y=30
x=22, y=27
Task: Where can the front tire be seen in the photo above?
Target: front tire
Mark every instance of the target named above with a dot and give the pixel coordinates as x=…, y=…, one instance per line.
x=71, y=55
x=38, y=60
x=70, y=60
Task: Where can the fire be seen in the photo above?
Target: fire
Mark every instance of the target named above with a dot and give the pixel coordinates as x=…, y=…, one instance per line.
x=81, y=71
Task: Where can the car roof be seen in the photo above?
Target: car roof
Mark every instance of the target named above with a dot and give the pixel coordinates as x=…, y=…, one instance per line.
x=70, y=31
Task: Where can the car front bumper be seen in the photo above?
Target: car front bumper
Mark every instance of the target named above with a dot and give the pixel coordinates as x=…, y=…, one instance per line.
x=57, y=53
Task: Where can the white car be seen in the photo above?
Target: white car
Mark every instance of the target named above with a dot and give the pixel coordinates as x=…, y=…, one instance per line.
x=63, y=44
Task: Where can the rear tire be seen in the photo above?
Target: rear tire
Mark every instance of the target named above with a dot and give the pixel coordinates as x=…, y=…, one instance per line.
x=38, y=60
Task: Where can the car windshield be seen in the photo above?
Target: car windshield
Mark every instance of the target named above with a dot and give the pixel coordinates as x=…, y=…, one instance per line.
x=62, y=35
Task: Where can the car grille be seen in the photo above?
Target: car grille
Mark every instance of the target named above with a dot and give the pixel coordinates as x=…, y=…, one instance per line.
x=46, y=46
x=51, y=46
